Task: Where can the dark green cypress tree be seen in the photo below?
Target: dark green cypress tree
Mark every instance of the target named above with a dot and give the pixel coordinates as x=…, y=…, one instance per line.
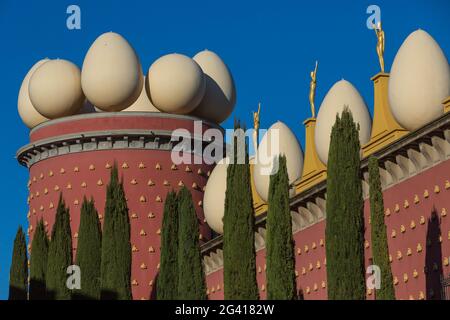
x=239, y=234
x=18, y=275
x=280, y=259
x=59, y=255
x=380, y=249
x=116, y=247
x=38, y=263
x=89, y=251
x=345, y=222
x=167, y=283
x=191, y=278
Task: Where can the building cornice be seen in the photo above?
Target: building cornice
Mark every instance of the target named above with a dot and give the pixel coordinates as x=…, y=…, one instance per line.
x=133, y=139
x=107, y=138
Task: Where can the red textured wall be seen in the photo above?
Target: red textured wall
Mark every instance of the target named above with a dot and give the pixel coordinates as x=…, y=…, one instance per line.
x=431, y=262
x=86, y=174
x=423, y=269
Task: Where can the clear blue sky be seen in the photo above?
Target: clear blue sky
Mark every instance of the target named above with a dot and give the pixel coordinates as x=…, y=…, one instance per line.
x=270, y=47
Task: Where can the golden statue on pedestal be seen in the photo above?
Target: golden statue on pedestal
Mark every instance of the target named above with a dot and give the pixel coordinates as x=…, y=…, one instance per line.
x=380, y=43
x=256, y=127
x=312, y=90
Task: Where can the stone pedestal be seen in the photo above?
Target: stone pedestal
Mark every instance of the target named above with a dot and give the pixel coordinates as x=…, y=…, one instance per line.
x=314, y=170
x=385, y=128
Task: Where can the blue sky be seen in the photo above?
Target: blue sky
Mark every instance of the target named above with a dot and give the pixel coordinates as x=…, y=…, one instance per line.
x=270, y=47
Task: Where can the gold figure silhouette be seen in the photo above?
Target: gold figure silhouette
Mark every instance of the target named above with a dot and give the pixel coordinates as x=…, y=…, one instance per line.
x=256, y=127
x=380, y=43
x=312, y=90
x=256, y=117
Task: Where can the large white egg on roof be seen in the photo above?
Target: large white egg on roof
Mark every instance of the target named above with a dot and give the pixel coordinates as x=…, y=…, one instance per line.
x=143, y=103
x=278, y=140
x=214, y=196
x=55, y=89
x=342, y=94
x=111, y=76
x=419, y=81
x=176, y=84
x=220, y=95
x=27, y=111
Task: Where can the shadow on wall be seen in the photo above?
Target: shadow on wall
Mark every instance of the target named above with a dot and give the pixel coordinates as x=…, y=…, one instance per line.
x=433, y=258
x=153, y=295
x=300, y=295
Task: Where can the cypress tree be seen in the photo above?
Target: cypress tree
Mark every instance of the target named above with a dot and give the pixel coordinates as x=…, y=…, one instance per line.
x=191, y=278
x=59, y=254
x=18, y=275
x=89, y=251
x=378, y=233
x=167, y=284
x=238, y=226
x=345, y=222
x=280, y=259
x=116, y=247
x=38, y=263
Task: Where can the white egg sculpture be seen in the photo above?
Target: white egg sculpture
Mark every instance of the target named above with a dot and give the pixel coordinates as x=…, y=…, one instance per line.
x=143, y=103
x=55, y=89
x=176, y=84
x=220, y=95
x=214, y=196
x=341, y=94
x=111, y=76
x=278, y=140
x=419, y=81
x=27, y=111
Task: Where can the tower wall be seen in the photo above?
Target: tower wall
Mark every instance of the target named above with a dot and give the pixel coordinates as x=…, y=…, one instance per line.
x=74, y=155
